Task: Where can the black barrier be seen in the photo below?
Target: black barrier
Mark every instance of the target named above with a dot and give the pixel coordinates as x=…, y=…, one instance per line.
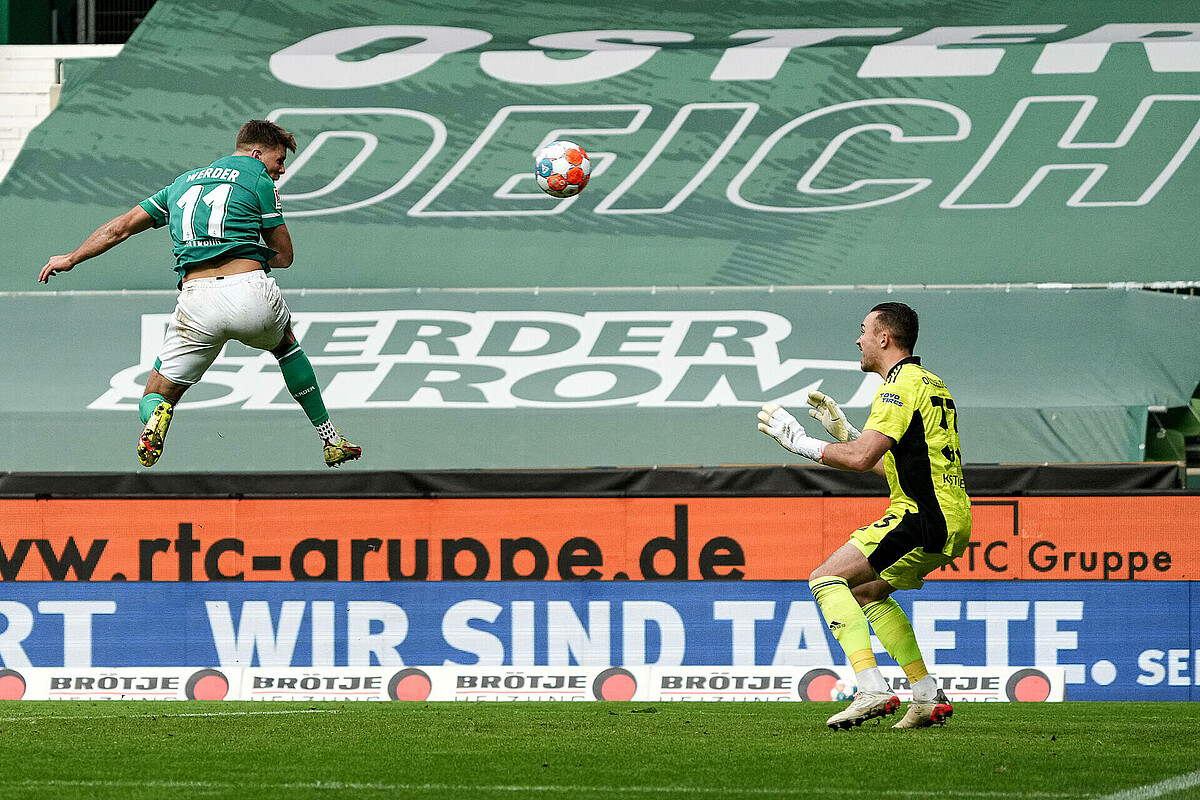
x=984, y=480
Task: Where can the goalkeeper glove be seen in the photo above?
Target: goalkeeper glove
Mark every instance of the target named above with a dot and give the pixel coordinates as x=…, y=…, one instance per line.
x=777, y=423
x=825, y=411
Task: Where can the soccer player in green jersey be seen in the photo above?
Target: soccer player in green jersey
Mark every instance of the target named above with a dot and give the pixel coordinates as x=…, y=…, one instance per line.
x=227, y=225
x=911, y=437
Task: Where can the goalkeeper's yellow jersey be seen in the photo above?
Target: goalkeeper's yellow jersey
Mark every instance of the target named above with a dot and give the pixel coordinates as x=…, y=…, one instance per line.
x=924, y=467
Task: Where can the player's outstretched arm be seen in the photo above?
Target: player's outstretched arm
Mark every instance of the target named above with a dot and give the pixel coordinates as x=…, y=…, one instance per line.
x=864, y=454
x=103, y=239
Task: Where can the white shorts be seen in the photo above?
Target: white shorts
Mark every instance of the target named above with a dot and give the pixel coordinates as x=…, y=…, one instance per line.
x=247, y=307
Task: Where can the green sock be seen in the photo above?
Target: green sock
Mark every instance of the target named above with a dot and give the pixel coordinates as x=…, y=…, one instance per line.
x=302, y=383
x=147, y=405
x=896, y=635
x=845, y=619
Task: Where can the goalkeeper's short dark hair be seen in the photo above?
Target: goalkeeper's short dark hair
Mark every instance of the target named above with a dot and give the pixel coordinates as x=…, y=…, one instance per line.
x=266, y=134
x=901, y=322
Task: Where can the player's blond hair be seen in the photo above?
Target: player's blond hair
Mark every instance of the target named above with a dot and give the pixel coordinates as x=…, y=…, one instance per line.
x=265, y=134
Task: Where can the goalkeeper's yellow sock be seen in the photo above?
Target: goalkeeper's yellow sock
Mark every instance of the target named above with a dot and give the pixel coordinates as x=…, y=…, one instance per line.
x=896, y=635
x=849, y=626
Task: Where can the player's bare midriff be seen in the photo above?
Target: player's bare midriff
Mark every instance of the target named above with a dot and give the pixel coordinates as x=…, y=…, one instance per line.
x=222, y=266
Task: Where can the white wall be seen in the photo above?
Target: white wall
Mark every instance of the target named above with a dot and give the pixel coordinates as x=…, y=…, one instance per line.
x=29, y=86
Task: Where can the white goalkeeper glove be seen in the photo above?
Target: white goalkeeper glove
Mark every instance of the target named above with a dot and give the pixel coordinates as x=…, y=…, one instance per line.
x=777, y=423
x=825, y=411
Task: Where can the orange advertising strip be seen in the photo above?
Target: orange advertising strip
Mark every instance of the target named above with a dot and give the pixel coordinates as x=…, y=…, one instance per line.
x=777, y=538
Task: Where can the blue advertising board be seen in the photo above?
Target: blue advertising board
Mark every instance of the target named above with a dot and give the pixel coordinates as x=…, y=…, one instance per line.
x=1114, y=641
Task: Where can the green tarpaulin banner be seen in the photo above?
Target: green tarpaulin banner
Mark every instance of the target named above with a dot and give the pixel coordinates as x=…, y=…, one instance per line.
x=744, y=143
x=448, y=379
x=741, y=151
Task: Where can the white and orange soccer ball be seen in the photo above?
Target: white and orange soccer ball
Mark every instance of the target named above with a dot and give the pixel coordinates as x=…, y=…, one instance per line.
x=562, y=168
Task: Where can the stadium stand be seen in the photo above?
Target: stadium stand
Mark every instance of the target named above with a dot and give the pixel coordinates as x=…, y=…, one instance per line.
x=30, y=82
x=557, y=398
x=1174, y=435
x=423, y=244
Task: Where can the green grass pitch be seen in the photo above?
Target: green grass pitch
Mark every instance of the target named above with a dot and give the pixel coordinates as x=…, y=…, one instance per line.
x=1129, y=751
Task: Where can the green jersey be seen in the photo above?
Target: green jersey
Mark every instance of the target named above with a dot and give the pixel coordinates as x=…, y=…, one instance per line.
x=219, y=210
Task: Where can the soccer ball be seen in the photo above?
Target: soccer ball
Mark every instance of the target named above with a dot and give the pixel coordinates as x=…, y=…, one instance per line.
x=562, y=168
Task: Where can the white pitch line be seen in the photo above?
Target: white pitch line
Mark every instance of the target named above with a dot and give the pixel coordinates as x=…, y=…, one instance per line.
x=147, y=714
x=252, y=713
x=1170, y=785
x=409, y=788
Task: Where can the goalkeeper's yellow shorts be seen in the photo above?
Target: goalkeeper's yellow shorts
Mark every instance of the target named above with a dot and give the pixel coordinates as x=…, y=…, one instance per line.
x=903, y=548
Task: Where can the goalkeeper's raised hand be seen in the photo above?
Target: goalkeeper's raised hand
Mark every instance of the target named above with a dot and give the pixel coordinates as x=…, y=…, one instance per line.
x=780, y=425
x=825, y=411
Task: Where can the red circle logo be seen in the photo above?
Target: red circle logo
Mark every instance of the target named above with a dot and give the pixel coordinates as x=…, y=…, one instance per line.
x=207, y=684
x=614, y=683
x=410, y=684
x=817, y=685
x=1028, y=686
x=12, y=685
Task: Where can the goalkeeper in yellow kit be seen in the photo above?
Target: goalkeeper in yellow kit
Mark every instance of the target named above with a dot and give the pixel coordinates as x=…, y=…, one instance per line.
x=911, y=437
